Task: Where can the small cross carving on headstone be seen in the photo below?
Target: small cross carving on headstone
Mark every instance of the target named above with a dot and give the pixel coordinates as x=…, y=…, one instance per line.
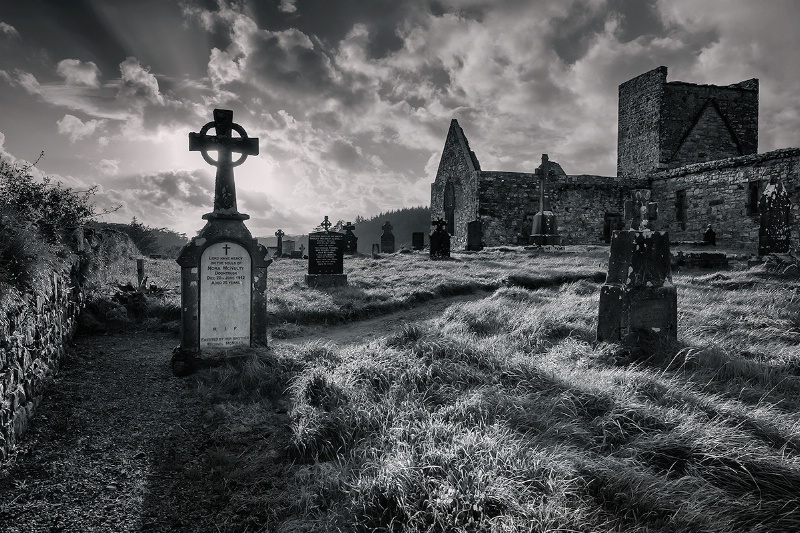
x=326, y=223
x=225, y=145
x=639, y=210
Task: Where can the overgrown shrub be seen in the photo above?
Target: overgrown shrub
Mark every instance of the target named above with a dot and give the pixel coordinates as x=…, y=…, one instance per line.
x=37, y=223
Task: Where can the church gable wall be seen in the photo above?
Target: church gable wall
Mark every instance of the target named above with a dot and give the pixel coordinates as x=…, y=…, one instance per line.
x=456, y=166
x=684, y=102
x=718, y=193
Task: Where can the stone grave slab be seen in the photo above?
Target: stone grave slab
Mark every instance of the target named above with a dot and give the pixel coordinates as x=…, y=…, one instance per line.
x=418, y=240
x=225, y=273
x=326, y=259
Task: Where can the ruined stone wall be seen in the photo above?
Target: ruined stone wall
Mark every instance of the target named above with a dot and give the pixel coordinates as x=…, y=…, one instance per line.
x=32, y=339
x=640, y=100
x=734, y=109
x=581, y=202
x=508, y=201
x=461, y=167
x=717, y=193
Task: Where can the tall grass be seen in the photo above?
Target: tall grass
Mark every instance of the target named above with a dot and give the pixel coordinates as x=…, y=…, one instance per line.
x=504, y=415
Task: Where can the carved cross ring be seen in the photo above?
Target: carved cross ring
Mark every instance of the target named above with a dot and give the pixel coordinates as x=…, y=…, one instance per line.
x=204, y=150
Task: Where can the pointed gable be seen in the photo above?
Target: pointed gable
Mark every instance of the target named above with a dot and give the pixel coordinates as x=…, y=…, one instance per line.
x=709, y=137
x=456, y=147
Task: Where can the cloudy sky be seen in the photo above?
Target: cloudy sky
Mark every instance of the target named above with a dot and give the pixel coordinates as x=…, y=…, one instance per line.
x=351, y=99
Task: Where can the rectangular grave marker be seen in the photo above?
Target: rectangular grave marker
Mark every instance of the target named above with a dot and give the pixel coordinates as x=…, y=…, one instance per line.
x=225, y=271
x=326, y=257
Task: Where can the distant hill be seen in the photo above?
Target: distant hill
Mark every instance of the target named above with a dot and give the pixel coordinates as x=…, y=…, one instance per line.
x=404, y=222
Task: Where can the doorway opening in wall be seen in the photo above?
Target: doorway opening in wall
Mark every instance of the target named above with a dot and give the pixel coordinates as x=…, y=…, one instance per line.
x=611, y=222
x=450, y=207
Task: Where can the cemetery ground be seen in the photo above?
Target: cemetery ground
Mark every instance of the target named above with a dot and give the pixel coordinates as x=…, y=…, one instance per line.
x=463, y=395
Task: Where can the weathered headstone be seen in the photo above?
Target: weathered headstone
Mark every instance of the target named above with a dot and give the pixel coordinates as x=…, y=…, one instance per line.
x=279, y=234
x=710, y=236
x=387, y=239
x=326, y=258
x=376, y=250
x=288, y=248
x=223, y=268
x=440, y=241
x=638, y=294
x=545, y=225
x=774, y=208
x=475, y=235
x=418, y=240
x=350, y=239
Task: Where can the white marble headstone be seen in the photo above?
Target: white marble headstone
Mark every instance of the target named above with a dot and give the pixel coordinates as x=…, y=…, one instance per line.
x=225, y=294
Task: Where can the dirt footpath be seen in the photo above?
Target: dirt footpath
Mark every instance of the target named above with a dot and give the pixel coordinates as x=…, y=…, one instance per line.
x=110, y=444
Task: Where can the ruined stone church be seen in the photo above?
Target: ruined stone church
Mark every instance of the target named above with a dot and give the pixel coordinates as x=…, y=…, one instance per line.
x=694, y=146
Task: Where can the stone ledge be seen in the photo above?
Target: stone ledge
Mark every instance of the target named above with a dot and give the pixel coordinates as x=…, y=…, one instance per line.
x=745, y=160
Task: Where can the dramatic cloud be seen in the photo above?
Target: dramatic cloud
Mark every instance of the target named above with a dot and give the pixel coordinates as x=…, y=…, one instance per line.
x=76, y=72
x=7, y=30
x=138, y=84
x=288, y=6
x=98, y=103
x=76, y=129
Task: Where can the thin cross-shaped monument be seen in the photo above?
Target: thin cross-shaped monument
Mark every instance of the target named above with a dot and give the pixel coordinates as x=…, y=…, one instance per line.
x=326, y=223
x=225, y=145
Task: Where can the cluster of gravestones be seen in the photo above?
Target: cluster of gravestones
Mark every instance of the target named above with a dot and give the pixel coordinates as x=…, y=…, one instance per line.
x=224, y=269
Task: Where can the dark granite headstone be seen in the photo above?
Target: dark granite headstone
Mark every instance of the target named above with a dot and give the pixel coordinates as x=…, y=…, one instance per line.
x=326, y=258
x=475, y=235
x=387, y=239
x=223, y=268
x=774, y=208
x=350, y=240
x=418, y=240
x=709, y=236
x=440, y=241
x=638, y=294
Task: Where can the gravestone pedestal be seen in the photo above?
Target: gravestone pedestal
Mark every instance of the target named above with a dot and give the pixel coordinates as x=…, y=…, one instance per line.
x=223, y=288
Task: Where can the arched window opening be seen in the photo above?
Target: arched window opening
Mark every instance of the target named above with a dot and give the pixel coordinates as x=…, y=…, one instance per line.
x=450, y=207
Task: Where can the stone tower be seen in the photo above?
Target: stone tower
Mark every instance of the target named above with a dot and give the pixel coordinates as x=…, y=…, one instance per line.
x=665, y=125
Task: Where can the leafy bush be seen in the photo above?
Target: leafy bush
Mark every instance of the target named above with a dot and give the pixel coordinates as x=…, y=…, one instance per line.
x=37, y=222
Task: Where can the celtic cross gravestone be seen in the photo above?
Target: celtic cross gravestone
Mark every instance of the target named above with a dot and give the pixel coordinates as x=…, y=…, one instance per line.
x=223, y=268
x=638, y=295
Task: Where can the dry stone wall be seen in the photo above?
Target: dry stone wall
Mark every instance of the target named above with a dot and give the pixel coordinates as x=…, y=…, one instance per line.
x=717, y=193
x=32, y=339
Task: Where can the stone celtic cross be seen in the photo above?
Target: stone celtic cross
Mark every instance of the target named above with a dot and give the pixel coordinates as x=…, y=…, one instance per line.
x=544, y=174
x=440, y=224
x=279, y=234
x=326, y=223
x=225, y=145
